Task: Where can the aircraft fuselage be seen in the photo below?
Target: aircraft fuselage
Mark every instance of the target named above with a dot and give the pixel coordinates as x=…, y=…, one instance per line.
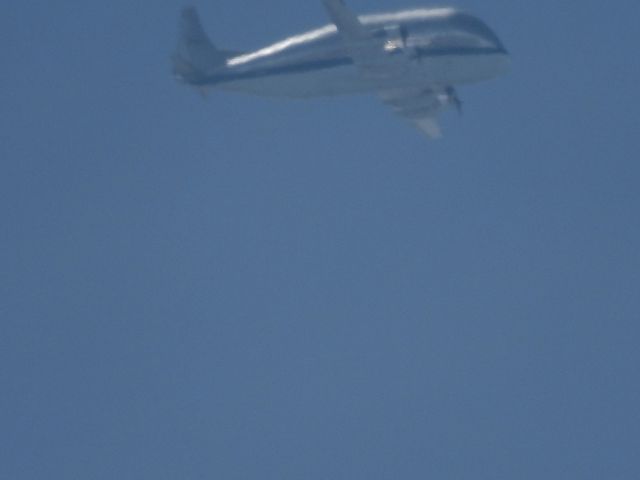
x=426, y=47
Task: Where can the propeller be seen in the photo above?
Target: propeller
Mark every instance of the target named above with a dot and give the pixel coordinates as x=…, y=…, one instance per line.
x=454, y=99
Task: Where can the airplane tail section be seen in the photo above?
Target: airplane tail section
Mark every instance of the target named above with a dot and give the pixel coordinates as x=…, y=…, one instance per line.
x=195, y=55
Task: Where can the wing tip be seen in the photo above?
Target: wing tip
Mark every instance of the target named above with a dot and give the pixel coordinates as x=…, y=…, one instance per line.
x=430, y=127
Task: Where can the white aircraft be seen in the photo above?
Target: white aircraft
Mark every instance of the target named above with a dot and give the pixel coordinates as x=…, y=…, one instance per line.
x=412, y=59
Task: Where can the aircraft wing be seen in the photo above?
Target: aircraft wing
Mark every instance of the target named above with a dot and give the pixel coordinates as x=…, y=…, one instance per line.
x=376, y=59
x=419, y=106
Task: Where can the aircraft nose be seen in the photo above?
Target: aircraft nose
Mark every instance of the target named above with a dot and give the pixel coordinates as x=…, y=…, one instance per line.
x=497, y=43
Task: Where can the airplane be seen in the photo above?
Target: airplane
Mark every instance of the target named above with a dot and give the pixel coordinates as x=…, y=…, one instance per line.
x=412, y=59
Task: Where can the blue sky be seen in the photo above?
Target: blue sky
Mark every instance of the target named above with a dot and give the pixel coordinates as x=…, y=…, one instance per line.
x=257, y=288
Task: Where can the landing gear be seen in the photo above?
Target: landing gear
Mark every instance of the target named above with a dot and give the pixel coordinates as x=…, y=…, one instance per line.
x=454, y=99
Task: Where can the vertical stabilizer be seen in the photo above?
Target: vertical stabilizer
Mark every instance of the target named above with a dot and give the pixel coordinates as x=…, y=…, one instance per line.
x=195, y=55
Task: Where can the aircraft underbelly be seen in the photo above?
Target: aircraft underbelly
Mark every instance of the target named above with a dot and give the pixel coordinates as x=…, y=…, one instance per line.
x=346, y=79
x=326, y=82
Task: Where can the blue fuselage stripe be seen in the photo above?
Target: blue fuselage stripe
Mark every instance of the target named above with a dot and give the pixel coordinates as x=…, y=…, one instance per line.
x=316, y=65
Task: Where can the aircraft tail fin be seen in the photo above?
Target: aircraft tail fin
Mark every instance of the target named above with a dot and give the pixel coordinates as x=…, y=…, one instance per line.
x=195, y=55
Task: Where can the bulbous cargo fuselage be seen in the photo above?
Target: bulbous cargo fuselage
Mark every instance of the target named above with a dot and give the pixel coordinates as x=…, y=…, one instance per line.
x=425, y=47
